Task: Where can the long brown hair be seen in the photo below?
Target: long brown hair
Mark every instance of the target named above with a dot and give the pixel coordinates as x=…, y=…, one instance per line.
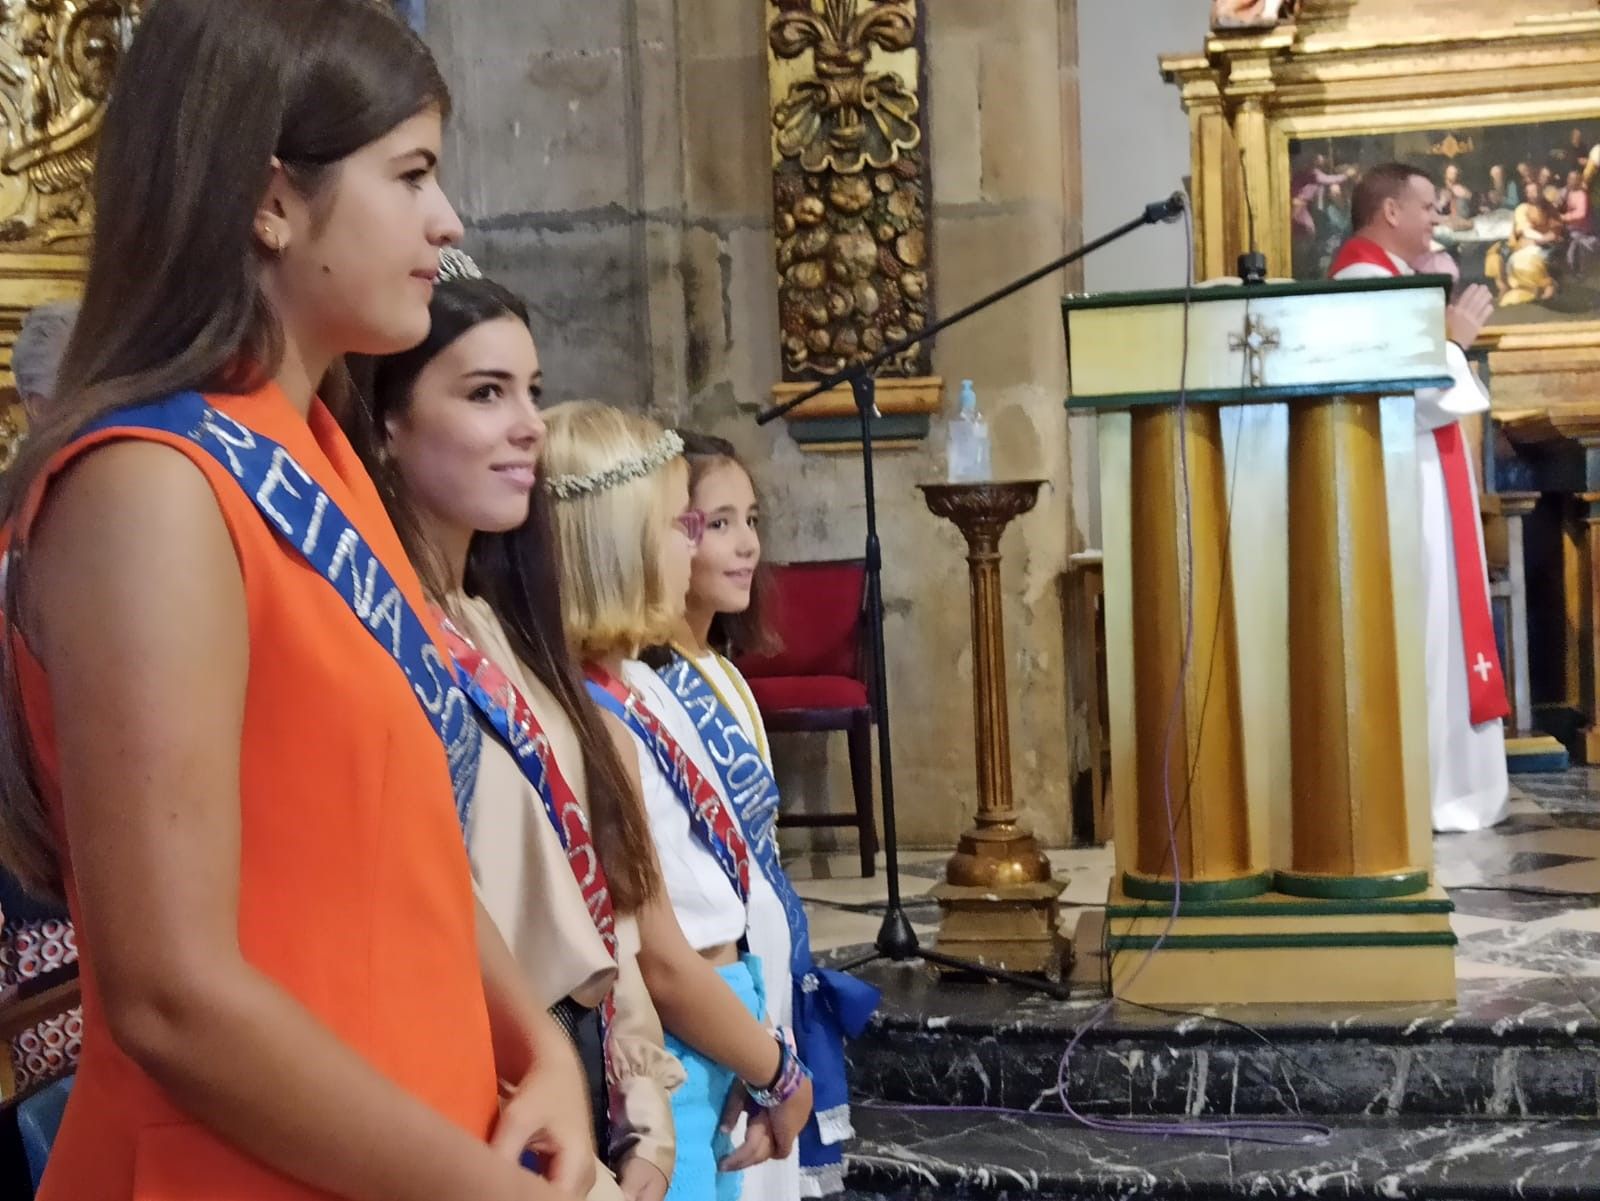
x=750, y=632
x=207, y=95
x=518, y=574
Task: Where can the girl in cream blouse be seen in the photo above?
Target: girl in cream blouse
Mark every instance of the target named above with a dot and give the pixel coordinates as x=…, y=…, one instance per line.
x=462, y=436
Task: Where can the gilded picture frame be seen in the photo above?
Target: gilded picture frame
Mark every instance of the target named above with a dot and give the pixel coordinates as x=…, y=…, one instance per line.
x=57, y=62
x=1557, y=295
x=1341, y=71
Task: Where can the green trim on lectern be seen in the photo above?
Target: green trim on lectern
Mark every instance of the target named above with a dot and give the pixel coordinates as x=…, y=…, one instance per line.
x=1267, y=394
x=1208, y=295
x=1147, y=888
x=1257, y=942
x=1365, y=888
x=1282, y=906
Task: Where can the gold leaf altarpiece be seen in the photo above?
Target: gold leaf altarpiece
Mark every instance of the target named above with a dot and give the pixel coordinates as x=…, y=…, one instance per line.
x=1346, y=67
x=57, y=60
x=850, y=197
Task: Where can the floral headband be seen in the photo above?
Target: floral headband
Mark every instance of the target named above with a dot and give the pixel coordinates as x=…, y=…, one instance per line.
x=457, y=264
x=666, y=448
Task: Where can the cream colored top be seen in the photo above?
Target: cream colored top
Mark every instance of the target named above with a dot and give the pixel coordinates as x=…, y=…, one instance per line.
x=528, y=889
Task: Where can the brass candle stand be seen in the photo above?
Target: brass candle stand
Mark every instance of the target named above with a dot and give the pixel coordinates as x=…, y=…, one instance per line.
x=999, y=904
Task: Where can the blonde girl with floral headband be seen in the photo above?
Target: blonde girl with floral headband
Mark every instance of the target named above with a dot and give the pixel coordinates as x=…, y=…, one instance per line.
x=626, y=535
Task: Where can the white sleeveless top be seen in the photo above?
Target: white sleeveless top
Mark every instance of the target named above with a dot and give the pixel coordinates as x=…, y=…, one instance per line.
x=707, y=906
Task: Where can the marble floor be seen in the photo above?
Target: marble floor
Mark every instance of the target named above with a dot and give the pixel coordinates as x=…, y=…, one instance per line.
x=1527, y=893
x=959, y=1086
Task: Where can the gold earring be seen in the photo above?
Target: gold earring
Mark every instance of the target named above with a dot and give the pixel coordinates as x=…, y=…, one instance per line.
x=271, y=238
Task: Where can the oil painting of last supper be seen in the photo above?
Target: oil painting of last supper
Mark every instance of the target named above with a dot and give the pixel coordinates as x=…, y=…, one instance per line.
x=1516, y=209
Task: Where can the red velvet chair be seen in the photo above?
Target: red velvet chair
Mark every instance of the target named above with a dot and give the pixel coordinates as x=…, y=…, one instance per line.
x=818, y=681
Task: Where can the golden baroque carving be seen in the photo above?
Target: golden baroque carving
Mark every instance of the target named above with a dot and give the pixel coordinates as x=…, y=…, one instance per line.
x=57, y=60
x=849, y=181
x=845, y=116
x=13, y=425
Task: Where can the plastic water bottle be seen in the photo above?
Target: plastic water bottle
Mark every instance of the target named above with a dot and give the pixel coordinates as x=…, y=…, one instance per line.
x=968, y=449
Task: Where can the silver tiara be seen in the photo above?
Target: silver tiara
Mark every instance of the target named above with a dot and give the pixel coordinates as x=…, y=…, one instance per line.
x=668, y=447
x=457, y=264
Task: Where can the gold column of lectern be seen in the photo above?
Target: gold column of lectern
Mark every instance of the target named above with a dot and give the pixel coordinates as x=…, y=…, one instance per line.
x=1349, y=835
x=1264, y=662
x=1186, y=716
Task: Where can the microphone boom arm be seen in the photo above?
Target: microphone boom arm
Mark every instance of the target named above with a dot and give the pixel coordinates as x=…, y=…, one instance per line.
x=897, y=941
x=1169, y=209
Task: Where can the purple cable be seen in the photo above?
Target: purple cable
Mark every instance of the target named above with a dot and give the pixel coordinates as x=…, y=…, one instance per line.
x=1235, y=1129
x=1228, y=1128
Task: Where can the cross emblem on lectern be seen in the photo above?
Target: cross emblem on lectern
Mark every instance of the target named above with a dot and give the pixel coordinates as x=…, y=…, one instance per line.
x=1483, y=669
x=1255, y=341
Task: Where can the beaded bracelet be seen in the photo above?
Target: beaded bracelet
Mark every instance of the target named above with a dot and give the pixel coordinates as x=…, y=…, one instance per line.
x=790, y=1073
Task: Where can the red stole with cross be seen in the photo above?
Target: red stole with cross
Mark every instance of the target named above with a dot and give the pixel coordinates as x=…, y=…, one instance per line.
x=1486, y=682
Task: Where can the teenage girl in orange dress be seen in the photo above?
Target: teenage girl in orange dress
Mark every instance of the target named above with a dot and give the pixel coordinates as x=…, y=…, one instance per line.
x=228, y=738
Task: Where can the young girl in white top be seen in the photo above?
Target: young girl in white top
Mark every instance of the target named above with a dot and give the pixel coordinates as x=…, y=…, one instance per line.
x=626, y=539
x=698, y=690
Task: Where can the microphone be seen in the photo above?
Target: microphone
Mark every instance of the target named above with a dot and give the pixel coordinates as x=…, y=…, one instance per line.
x=1166, y=211
x=1252, y=263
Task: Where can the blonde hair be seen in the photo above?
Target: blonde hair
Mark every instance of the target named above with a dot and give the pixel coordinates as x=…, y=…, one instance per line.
x=613, y=597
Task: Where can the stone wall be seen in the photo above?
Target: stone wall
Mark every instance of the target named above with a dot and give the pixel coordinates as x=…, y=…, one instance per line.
x=611, y=159
x=1135, y=135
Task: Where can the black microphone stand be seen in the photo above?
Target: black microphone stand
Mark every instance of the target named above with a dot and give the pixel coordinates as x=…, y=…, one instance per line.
x=896, y=940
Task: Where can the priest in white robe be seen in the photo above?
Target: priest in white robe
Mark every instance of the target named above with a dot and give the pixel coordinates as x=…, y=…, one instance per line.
x=1393, y=213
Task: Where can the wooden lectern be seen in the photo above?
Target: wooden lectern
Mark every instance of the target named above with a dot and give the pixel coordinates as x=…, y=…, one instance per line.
x=1264, y=655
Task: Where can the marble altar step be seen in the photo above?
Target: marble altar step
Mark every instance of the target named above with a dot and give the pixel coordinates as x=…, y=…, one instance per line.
x=1508, y=1049
x=955, y=1156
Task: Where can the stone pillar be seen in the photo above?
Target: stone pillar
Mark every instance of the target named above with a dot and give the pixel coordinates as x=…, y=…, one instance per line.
x=1002, y=110
x=563, y=158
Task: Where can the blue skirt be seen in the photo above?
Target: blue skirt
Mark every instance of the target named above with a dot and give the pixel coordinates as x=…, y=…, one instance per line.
x=697, y=1103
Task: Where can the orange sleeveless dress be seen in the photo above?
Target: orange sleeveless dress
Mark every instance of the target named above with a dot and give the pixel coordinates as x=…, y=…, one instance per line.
x=355, y=893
